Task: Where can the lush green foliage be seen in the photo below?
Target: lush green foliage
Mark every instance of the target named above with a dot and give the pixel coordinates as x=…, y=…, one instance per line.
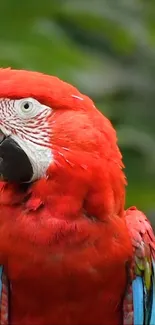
x=107, y=49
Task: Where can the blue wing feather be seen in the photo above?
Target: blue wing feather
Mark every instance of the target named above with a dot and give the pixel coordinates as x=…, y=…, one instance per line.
x=152, y=319
x=138, y=300
x=144, y=301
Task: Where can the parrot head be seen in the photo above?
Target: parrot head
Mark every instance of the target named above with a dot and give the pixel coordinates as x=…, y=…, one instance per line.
x=52, y=135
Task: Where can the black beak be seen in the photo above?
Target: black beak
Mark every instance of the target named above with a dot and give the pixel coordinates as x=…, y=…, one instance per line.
x=2, y=136
x=15, y=165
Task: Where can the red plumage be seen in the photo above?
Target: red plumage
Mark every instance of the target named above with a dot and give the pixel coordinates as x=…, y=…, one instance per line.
x=64, y=239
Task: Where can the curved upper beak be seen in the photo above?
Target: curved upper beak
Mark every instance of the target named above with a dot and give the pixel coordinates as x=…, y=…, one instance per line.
x=15, y=165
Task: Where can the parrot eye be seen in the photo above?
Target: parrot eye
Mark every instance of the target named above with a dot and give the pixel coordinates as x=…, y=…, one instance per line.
x=26, y=106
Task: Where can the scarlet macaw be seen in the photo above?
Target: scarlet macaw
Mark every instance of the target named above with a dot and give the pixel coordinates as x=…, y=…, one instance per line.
x=70, y=254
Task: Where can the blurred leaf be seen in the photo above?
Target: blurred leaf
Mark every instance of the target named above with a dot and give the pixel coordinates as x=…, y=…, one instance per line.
x=106, y=49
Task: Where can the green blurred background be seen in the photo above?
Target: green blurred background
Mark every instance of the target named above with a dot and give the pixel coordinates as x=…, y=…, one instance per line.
x=107, y=49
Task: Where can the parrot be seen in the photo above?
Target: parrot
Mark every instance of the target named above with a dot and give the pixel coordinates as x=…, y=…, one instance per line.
x=70, y=252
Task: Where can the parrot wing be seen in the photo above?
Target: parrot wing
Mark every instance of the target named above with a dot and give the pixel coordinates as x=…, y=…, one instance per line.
x=139, y=301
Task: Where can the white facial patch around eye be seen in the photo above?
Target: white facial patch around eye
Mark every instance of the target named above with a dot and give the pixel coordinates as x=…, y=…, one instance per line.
x=26, y=122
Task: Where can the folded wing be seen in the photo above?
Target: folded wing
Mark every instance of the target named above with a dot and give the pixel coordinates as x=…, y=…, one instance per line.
x=139, y=302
